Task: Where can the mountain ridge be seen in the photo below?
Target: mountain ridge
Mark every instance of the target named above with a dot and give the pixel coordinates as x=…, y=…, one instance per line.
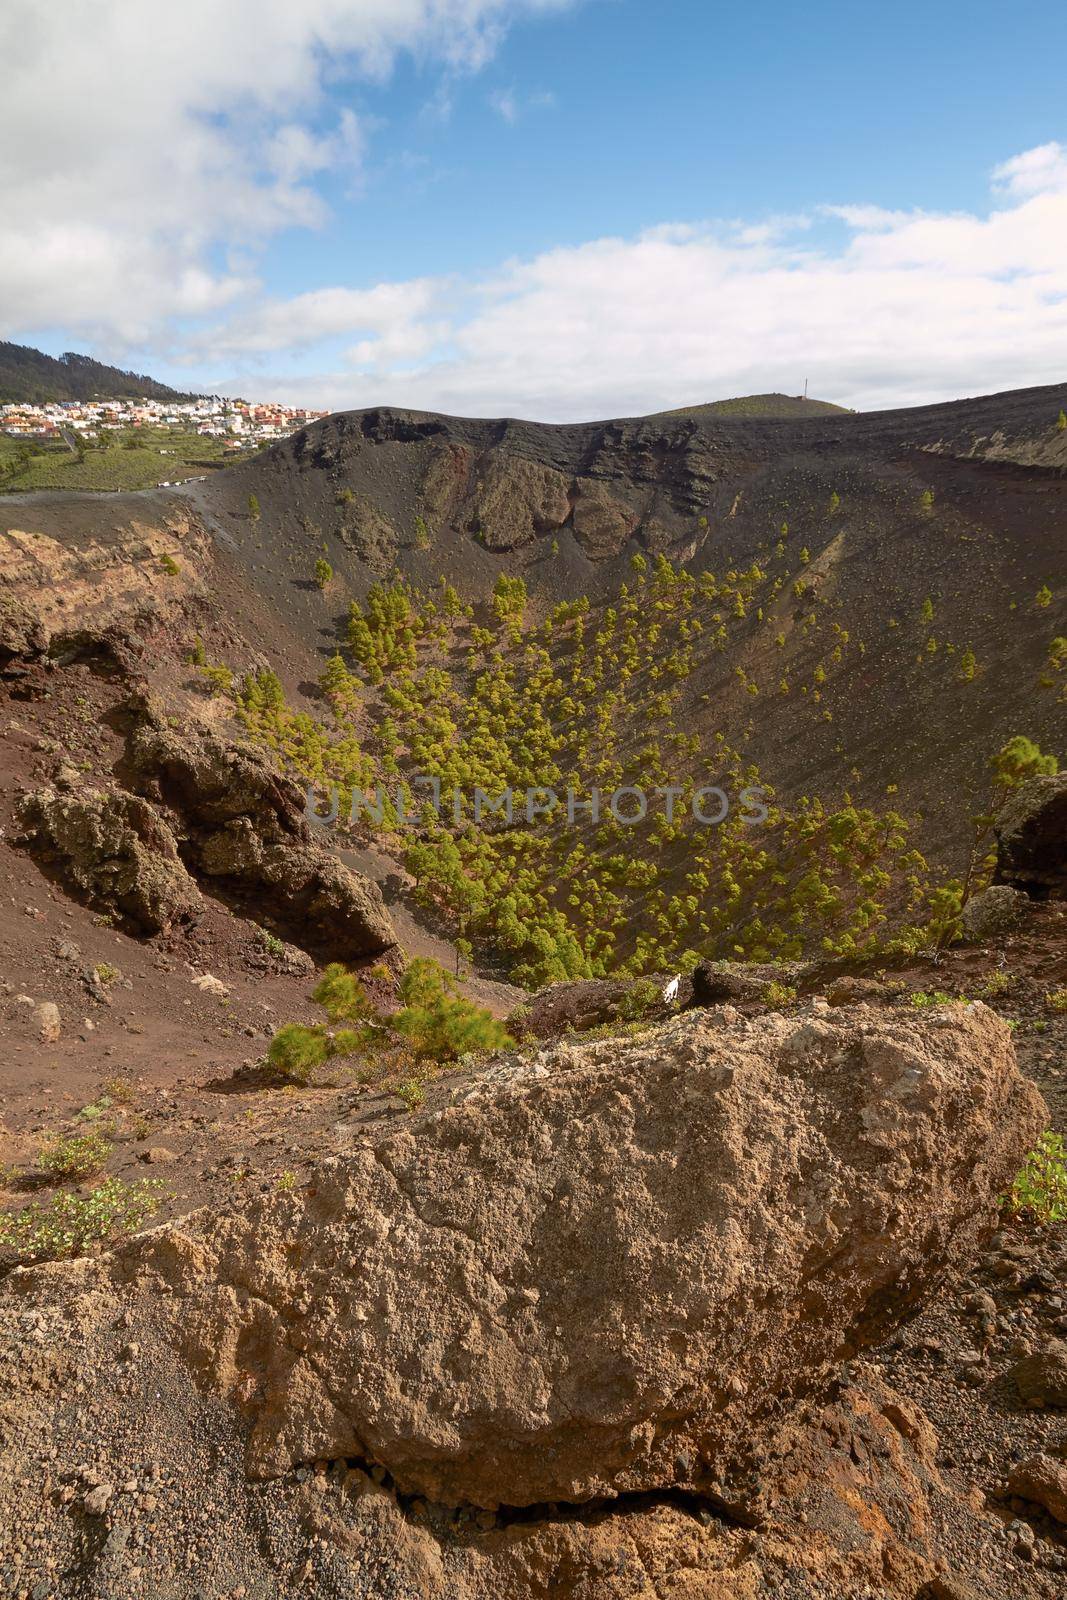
x=31, y=377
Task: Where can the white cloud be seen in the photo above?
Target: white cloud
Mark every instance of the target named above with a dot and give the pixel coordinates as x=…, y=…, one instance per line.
x=140, y=141
x=505, y=104
x=906, y=307
x=510, y=104
x=392, y=314
x=1034, y=172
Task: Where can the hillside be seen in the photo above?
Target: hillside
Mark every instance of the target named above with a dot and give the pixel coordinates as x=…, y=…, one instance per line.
x=31, y=376
x=760, y=406
x=850, y=611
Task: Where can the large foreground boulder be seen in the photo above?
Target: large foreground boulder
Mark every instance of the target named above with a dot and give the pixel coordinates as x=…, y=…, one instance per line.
x=1031, y=834
x=117, y=851
x=242, y=824
x=615, y=1272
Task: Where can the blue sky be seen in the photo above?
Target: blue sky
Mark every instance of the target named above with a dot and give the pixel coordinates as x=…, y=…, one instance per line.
x=539, y=206
x=683, y=111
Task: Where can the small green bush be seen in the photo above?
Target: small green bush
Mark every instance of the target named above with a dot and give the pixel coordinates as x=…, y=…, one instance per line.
x=75, y=1156
x=411, y=1092
x=920, y=1000
x=71, y=1223
x=639, y=999
x=341, y=995
x=169, y=566
x=219, y=679
x=323, y=573
x=1041, y=1187
x=296, y=1051
x=440, y=1024
x=997, y=983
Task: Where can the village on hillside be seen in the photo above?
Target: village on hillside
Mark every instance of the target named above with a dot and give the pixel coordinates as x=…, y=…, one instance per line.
x=238, y=424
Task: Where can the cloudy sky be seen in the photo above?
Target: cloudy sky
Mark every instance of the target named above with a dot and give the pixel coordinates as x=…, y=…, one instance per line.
x=548, y=208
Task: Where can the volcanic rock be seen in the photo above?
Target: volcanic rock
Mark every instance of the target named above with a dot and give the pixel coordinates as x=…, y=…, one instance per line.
x=117, y=851
x=1041, y=1378
x=1042, y=1480
x=992, y=912
x=242, y=823
x=611, y=1277
x=1031, y=834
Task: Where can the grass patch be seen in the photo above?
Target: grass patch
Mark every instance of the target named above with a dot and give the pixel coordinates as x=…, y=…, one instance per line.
x=134, y=460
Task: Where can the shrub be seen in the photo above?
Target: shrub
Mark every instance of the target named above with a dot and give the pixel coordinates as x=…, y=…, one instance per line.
x=996, y=983
x=253, y=508
x=639, y=1000
x=439, y=1023
x=219, y=679
x=1057, y=1000
x=70, y=1223
x=75, y=1156
x=323, y=573
x=296, y=1051
x=1043, y=597
x=1020, y=759
x=411, y=1092
x=1041, y=1187
x=341, y=995
x=168, y=565
x=779, y=994
x=1061, y=422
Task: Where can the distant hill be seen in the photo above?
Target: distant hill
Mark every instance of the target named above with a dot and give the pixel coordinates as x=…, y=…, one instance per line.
x=29, y=375
x=760, y=406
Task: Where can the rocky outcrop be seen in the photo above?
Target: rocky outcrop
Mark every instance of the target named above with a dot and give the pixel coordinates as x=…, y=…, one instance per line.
x=602, y=521
x=241, y=824
x=716, y=983
x=850, y=1501
x=612, y=1275
x=564, y=1008
x=22, y=633
x=366, y=530
x=1031, y=834
x=117, y=851
x=70, y=567
x=516, y=500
